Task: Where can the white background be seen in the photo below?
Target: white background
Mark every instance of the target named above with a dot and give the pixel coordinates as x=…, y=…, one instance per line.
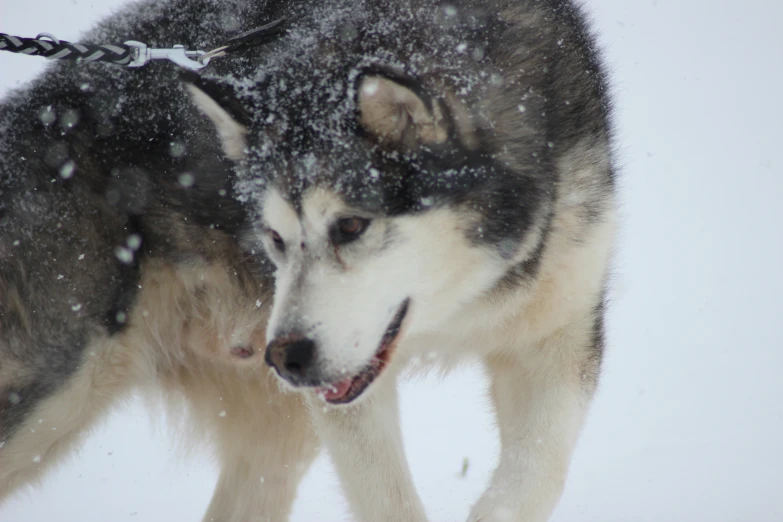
x=688, y=424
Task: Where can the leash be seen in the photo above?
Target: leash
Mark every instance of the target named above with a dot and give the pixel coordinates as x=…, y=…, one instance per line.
x=137, y=54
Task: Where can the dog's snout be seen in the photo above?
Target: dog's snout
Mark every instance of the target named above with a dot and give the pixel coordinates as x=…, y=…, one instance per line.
x=293, y=358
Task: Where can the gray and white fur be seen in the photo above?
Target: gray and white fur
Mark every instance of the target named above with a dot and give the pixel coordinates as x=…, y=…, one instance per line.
x=121, y=271
x=413, y=178
x=430, y=178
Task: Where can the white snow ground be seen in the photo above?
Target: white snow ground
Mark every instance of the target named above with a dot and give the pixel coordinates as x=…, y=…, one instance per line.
x=688, y=424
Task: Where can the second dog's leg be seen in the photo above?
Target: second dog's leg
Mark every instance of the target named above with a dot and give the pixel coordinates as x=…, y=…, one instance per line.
x=365, y=443
x=263, y=438
x=56, y=423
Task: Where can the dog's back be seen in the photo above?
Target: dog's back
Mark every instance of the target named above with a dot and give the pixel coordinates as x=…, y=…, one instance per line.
x=120, y=265
x=91, y=157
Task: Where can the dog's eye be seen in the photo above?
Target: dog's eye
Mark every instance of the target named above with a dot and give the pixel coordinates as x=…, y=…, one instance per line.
x=349, y=229
x=278, y=241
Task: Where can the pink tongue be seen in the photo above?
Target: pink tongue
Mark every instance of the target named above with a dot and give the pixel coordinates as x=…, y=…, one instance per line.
x=337, y=390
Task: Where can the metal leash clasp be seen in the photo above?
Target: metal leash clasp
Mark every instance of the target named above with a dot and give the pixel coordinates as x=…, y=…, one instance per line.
x=193, y=60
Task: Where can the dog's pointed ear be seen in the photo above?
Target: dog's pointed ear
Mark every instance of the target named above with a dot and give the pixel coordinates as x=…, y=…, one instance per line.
x=397, y=116
x=217, y=101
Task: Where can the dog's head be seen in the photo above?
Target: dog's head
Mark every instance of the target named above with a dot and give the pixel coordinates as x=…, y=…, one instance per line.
x=381, y=198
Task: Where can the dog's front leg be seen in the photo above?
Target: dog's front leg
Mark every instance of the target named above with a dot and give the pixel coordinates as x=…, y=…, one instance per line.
x=365, y=443
x=541, y=398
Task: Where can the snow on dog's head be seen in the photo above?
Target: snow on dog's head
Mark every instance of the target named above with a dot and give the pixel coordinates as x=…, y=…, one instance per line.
x=374, y=191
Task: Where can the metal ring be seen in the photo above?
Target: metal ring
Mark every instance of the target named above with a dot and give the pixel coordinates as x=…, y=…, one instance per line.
x=214, y=53
x=50, y=36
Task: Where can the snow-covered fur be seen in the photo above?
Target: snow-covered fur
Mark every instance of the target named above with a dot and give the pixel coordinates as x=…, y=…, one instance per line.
x=385, y=180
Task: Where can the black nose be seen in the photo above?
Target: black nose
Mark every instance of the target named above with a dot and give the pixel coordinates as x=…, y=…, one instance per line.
x=293, y=358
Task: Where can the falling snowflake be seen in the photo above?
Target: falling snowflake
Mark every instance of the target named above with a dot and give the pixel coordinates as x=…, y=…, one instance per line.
x=124, y=255
x=66, y=171
x=186, y=180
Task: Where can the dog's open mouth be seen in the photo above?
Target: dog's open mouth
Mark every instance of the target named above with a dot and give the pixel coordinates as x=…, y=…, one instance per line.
x=348, y=389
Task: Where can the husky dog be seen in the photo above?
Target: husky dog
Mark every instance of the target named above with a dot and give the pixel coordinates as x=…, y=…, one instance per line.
x=120, y=268
x=429, y=178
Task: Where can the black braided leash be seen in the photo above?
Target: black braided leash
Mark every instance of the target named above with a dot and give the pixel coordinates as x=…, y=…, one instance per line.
x=52, y=48
x=136, y=54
